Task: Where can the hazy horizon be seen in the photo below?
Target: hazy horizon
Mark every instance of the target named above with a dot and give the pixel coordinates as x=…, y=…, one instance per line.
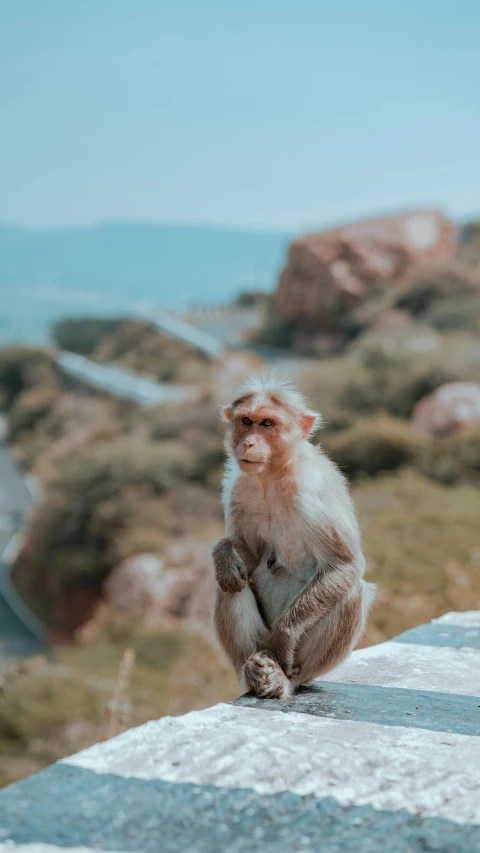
x=121, y=268
x=290, y=233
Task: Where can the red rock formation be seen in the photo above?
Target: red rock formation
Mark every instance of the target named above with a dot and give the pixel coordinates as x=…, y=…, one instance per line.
x=329, y=273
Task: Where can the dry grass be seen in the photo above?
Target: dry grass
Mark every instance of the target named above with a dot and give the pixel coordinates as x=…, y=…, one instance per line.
x=422, y=543
x=87, y=693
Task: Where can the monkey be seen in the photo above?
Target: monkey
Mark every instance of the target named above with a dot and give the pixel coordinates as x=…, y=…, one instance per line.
x=290, y=600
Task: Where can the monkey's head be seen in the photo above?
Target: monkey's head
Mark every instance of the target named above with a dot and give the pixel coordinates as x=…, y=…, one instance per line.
x=265, y=423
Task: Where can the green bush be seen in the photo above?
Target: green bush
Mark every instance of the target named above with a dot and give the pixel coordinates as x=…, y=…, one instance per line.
x=454, y=459
x=110, y=467
x=394, y=387
x=24, y=369
x=456, y=313
x=30, y=408
x=134, y=344
x=428, y=285
x=140, y=347
x=76, y=535
x=83, y=334
x=374, y=445
x=109, y=501
x=276, y=333
x=193, y=422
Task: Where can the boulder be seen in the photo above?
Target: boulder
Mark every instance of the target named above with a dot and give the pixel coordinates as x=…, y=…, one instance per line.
x=330, y=273
x=135, y=584
x=454, y=405
x=142, y=585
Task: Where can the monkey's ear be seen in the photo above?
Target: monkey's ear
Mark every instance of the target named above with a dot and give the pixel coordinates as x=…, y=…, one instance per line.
x=308, y=422
x=226, y=413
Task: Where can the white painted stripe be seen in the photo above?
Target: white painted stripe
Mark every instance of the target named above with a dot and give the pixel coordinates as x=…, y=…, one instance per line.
x=39, y=847
x=468, y=619
x=428, y=773
x=412, y=667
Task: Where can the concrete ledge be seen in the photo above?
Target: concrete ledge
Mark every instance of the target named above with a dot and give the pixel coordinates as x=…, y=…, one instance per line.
x=382, y=756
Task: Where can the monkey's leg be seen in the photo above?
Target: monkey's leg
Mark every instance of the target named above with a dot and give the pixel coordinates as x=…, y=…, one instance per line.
x=239, y=626
x=332, y=639
x=313, y=605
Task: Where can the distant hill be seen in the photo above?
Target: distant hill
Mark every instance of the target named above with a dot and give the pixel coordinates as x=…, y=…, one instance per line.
x=114, y=267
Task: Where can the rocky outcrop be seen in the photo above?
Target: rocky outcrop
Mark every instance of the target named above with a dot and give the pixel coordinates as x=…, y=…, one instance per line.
x=330, y=273
x=456, y=404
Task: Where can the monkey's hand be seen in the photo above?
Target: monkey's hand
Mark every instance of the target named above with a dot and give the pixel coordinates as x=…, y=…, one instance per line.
x=230, y=570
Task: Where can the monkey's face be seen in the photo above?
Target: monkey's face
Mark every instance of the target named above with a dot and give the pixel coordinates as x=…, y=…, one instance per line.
x=261, y=437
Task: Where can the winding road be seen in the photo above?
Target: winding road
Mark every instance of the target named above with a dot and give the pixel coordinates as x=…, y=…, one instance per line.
x=20, y=636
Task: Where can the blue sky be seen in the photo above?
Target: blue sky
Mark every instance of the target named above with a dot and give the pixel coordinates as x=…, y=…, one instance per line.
x=264, y=113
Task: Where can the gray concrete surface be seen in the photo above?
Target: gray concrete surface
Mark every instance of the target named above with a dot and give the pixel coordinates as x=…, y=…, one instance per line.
x=376, y=758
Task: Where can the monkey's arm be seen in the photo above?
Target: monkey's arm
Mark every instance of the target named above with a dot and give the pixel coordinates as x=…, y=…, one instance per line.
x=341, y=575
x=232, y=561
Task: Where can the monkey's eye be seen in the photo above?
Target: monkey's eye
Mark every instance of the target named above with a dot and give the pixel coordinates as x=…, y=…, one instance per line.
x=247, y=421
x=267, y=422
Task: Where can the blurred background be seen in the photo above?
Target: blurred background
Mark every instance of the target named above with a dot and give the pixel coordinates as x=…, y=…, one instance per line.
x=192, y=191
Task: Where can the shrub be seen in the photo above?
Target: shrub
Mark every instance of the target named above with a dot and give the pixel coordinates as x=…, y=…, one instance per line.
x=426, y=286
x=394, y=387
x=192, y=421
x=83, y=334
x=109, y=501
x=140, y=347
x=30, y=408
x=111, y=467
x=276, y=333
x=456, y=313
x=454, y=459
x=23, y=369
x=371, y=446
x=134, y=344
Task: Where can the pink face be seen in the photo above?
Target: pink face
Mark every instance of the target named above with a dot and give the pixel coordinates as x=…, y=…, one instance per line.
x=257, y=434
x=262, y=433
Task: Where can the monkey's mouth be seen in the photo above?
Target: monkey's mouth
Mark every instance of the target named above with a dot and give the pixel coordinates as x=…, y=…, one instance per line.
x=251, y=461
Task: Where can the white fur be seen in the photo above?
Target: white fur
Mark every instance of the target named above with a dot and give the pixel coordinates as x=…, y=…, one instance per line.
x=291, y=530
x=298, y=519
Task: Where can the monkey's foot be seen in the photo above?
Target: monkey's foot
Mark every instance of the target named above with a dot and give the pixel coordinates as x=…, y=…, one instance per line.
x=266, y=678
